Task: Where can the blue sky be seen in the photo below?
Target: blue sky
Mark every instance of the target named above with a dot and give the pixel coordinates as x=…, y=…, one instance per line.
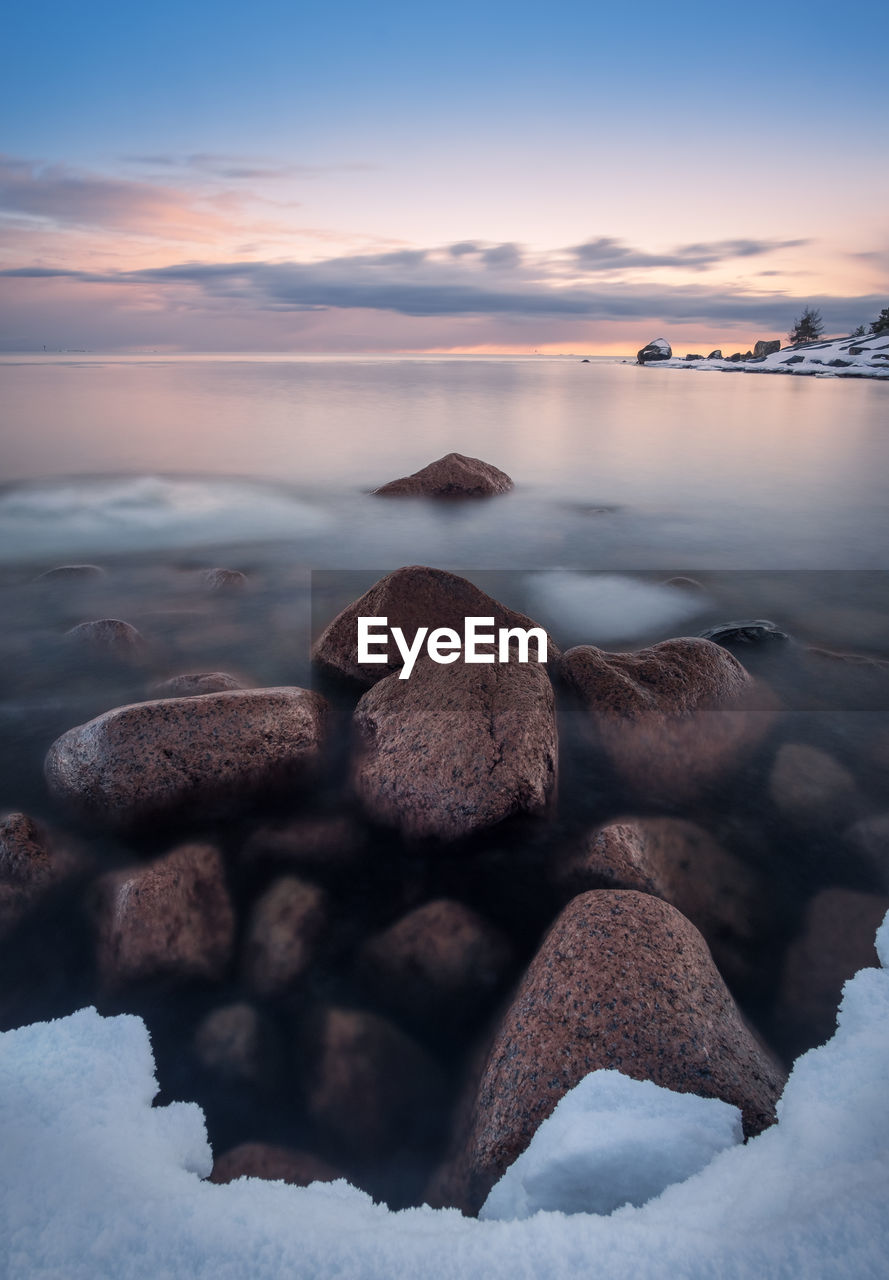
x=301, y=134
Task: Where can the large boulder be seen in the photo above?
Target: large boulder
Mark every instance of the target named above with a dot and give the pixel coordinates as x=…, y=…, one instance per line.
x=171, y=919
x=623, y=981
x=657, y=349
x=439, y=967
x=455, y=750
x=766, y=347
x=192, y=757
x=412, y=597
x=672, y=720
x=453, y=476
x=685, y=865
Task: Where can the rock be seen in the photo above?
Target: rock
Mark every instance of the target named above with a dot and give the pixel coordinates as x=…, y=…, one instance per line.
x=657, y=349
x=584, y=360
x=621, y=981
x=746, y=635
x=282, y=935
x=811, y=789
x=316, y=842
x=794, y=360
x=456, y=749
x=107, y=638
x=191, y=686
x=715, y=355
x=735, y=357
x=453, y=476
x=71, y=573
x=410, y=598
x=236, y=1044
x=672, y=720
x=32, y=863
x=682, y=863
x=684, y=584
x=839, y=364
x=835, y=941
x=224, y=581
x=694, y=357
x=274, y=1164
x=440, y=966
x=372, y=1090
x=766, y=347
x=869, y=840
x=171, y=919
x=194, y=757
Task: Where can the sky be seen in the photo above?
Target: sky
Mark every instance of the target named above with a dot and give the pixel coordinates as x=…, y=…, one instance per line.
x=399, y=177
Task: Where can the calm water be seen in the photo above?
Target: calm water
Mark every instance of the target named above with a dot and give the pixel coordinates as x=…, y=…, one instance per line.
x=616, y=467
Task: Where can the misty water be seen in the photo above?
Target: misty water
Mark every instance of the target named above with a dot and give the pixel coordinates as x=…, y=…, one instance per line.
x=770, y=492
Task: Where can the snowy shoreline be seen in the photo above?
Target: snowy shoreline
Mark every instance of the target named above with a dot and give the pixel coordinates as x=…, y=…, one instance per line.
x=850, y=357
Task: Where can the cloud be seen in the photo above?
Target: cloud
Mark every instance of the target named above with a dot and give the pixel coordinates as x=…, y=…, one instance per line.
x=432, y=283
x=607, y=254
x=241, y=168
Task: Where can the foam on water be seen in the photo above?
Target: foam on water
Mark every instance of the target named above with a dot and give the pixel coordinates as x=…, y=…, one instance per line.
x=91, y=516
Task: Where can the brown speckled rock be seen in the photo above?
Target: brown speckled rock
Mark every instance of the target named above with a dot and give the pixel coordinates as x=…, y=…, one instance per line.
x=32, y=862
x=191, y=757
x=107, y=638
x=453, y=476
x=170, y=919
x=835, y=941
x=72, y=573
x=315, y=841
x=456, y=749
x=237, y=1044
x=682, y=863
x=673, y=720
x=282, y=935
x=440, y=966
x=410, y=598
x=190, y=686
x=274, y=1164
x=371, y=1089
x=810, y=788
x=623, y=981
x=224, y=581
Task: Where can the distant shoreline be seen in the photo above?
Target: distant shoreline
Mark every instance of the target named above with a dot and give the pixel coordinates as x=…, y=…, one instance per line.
x=849, y=357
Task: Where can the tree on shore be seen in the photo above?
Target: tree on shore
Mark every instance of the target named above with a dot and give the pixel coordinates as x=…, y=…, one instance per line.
x=808, y=328
x=881, y=324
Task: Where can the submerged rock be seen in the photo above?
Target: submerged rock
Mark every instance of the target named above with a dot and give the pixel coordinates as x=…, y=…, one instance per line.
x=314, y=841
x=236, y=1043
x=672, y=720
x=746, y=635
x=686, y=866
x=835, y=941
x=440, y=966
x=190, y=686
x=107, y=638
x=171, y=919
x=811, y=789
x=224, y=581
x=412, y=597
x=622, y=980
x=453, y=476
x=72, y=573
x=272, y=1163
x=32, y=863
x=657, y=349
x=454, y=750
x=282, y=935
x=372, y=1089
x=187, y=757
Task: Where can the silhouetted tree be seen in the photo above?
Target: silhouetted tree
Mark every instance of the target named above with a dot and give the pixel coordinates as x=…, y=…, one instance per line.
x=808, y=328
x=881, y=324
x=859, y=332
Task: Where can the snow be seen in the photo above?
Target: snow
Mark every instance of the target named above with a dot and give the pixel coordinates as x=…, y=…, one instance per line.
x=96, y=1183
x=870, y=359
x=613, y=1141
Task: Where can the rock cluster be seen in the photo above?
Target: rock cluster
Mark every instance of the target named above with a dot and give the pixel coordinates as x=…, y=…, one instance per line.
x=381, y=934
